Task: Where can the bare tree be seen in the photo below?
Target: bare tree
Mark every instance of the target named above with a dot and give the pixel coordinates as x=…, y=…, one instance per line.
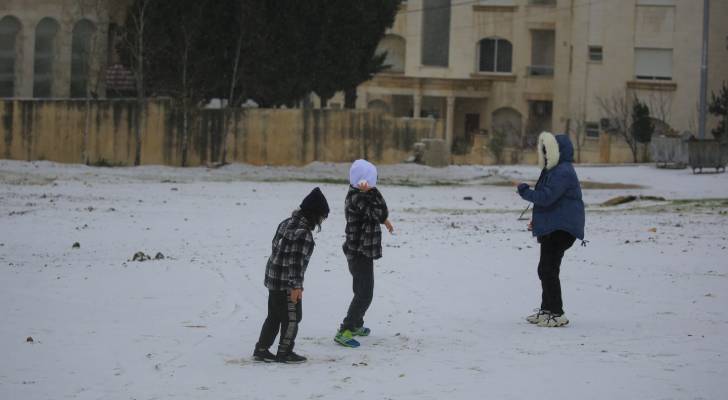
x=92, y=60
x=693, y=120
x=576, y=127
x=234, y=98
x=132, y=41
x=618, y=110
x=660, y=103
x=499, y=139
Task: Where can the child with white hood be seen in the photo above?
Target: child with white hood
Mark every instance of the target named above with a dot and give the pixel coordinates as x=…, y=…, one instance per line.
x=365, y=210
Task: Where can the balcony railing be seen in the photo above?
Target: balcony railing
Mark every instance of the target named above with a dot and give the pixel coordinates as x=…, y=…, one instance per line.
x=540, y=70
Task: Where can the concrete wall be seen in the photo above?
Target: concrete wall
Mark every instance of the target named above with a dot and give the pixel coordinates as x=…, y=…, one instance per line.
x=607, y=149
x=76, y=131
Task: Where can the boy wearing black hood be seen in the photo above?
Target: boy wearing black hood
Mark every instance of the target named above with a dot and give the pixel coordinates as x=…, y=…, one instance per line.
x=292, y=248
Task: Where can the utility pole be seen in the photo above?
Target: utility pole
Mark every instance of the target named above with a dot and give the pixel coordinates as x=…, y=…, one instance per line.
x=704, y=71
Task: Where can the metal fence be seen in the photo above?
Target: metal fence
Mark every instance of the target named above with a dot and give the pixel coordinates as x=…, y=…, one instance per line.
x=707, y=154
x=669, y=152
x=680, y=152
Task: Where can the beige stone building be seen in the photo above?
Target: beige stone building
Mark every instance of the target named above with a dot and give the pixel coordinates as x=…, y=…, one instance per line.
x=57, y=48
x=523, y=66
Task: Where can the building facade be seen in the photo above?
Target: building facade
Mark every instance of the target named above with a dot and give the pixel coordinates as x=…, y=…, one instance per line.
x=58, y=48
x=517, y=67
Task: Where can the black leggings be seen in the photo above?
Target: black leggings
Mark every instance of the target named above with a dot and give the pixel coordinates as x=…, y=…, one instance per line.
x=553, y=247
x=283, y=315
x=362, y=272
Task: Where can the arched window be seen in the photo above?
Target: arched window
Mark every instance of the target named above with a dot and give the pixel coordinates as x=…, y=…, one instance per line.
x=496, y=55
x=9, y=28
x=395, y=46
x=45, y=51
x=81, y=47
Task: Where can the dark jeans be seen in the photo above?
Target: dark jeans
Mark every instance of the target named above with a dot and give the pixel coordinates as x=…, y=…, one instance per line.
x=362, y=272
x=283, y=315
x=553, y=247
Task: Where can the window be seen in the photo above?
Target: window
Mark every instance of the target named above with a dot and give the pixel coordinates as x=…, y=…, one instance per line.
x=81, y=47
x=542, y=2
x=592, y=130
x=595, y=53
x=436, y=33
x=9, y=28
x=472, y=124
x=495, y=55
x=395, y=46
x=497, y=2
x=45, y=49
x=542, y=53
x=653, y=64
x=655, y=2
x=540, y=116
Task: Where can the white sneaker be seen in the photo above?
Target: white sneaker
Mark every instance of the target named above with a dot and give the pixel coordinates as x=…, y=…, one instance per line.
x=553, y=321
x=540, y=315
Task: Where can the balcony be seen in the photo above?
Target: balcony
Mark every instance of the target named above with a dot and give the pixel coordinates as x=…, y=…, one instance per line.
x=543, y=52
x=540, y=70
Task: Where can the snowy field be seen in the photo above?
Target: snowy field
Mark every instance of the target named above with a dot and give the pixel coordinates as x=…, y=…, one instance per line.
x=647, y=298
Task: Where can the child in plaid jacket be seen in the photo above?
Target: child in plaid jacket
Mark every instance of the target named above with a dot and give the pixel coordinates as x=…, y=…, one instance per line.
x=365, y=211
x=291, y=251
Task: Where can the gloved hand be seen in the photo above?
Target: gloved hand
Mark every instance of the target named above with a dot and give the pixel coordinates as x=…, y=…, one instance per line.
x=522, y=187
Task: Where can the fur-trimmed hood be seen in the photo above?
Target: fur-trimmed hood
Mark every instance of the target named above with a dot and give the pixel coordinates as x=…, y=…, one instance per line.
x=556, y=198
x=553, y=149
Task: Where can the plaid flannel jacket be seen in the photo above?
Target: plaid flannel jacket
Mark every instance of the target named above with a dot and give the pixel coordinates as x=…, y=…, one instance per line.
x=364, y=212
x=292, y=248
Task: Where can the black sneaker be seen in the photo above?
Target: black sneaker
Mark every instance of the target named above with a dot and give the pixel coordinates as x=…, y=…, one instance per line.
x=263, y=355
x=290, y=358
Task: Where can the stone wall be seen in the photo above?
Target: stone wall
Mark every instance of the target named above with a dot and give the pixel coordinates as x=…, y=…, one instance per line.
x=103, y=131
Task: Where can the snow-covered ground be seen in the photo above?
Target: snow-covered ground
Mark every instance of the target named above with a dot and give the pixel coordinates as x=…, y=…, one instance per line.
x=647, y=298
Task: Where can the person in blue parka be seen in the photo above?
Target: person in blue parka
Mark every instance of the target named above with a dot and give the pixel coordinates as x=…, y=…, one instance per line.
x=557, y=221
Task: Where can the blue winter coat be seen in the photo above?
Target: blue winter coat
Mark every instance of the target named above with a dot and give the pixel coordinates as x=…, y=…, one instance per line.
x=557, y=201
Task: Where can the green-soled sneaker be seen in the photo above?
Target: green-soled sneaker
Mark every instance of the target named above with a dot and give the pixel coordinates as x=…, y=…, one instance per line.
x=345, y=338
x=361, y=331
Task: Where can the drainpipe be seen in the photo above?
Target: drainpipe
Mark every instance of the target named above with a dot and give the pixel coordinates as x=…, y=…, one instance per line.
x=704, y=70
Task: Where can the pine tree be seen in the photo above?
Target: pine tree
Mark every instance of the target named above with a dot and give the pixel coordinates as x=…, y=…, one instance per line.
x=346, y=52
x=642, y=125
x=719, y=107
x=186, y=47
x=278, y=56
x=275, y=52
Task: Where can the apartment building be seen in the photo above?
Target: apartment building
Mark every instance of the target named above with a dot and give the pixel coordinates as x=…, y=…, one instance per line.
x=523, y=66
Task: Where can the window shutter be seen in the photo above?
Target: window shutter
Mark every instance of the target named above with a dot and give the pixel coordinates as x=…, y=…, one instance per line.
x=653, y=63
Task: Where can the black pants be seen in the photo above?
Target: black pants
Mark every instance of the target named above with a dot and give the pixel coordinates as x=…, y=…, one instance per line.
x=362, y=272
x=283, y=315
x=553, y=247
